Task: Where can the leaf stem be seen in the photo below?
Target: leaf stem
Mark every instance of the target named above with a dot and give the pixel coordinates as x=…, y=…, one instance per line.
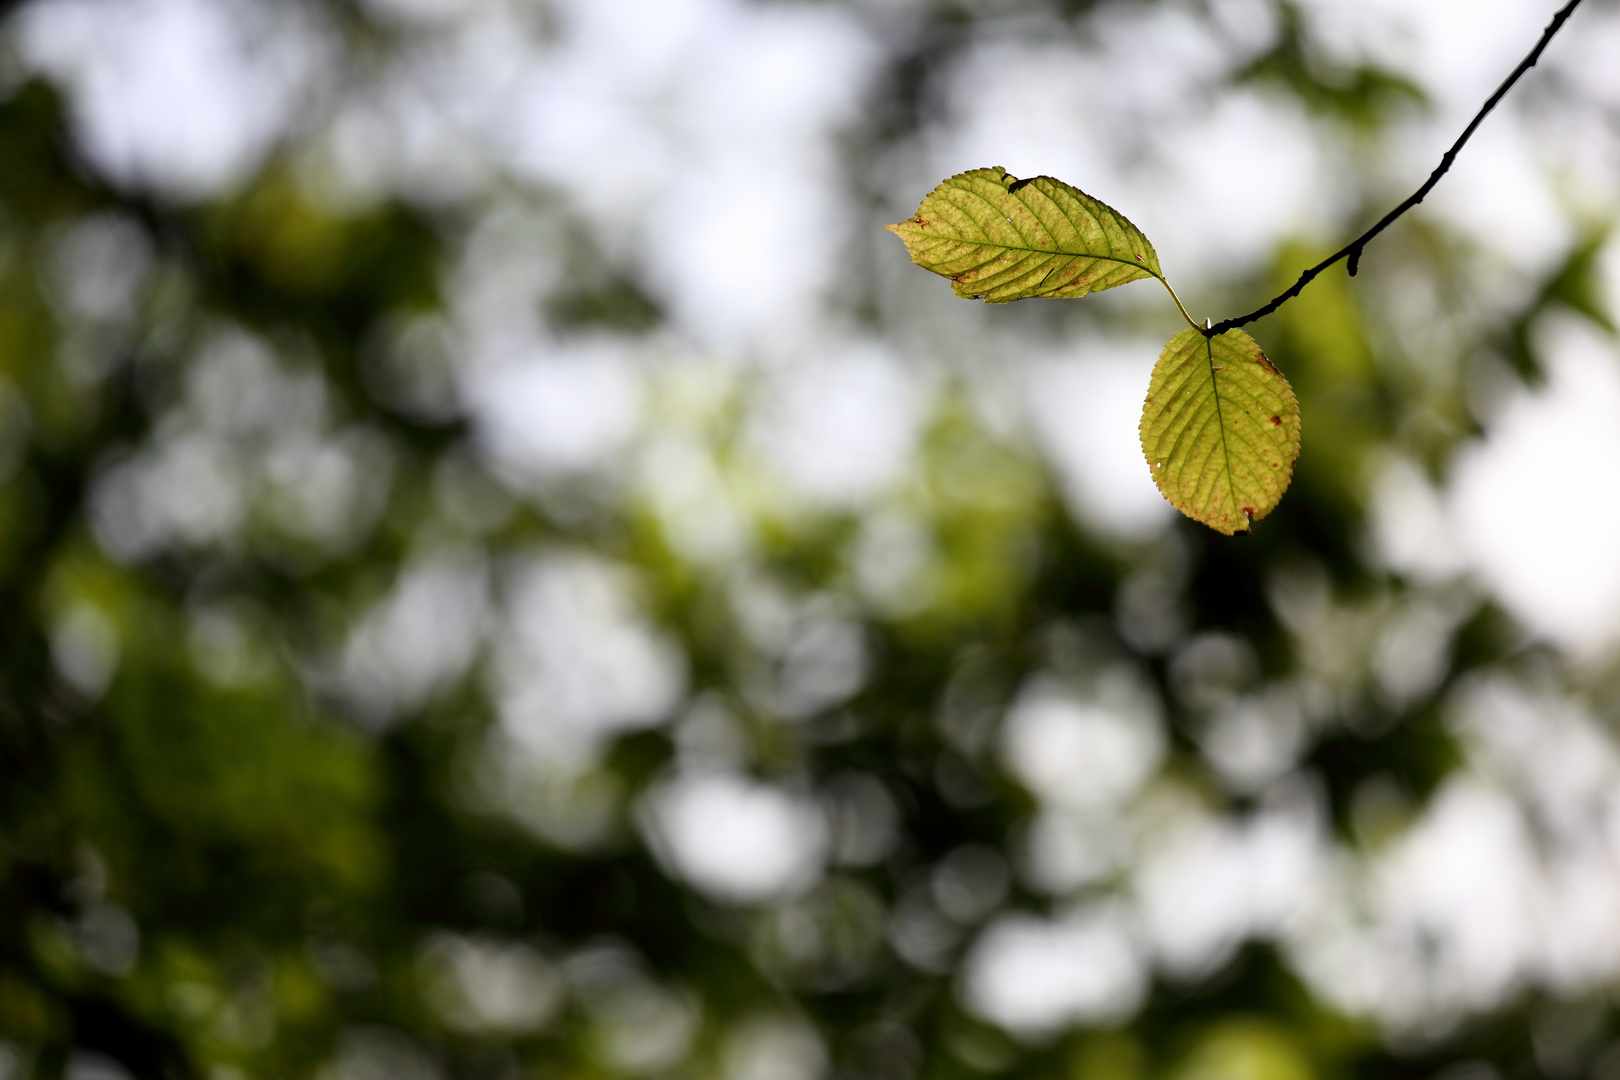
x=1353, y=249
x=1179, y=306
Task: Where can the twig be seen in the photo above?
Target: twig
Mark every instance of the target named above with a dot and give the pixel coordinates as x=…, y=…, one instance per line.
x=1353, y=249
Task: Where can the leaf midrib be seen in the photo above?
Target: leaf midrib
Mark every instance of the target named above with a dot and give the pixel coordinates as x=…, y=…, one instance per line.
x=1039, y=251
x=1049, y=251
x=1220, y=422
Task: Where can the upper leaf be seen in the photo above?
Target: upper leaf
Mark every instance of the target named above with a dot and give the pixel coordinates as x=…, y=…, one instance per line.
x=1005, y=239
x=1220, y=429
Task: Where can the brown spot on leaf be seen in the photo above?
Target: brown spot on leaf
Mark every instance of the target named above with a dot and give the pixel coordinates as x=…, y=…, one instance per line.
x=1260, y=358
x=1277, y=420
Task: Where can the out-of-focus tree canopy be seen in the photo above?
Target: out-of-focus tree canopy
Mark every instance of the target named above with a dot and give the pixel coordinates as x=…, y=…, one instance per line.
x=506, y=571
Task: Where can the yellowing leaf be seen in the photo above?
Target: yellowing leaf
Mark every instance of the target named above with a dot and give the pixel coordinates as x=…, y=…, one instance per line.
x=1006, y=239
x=1220, y=429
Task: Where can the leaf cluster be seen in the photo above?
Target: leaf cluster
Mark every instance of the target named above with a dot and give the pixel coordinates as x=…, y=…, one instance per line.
x=1220, y=425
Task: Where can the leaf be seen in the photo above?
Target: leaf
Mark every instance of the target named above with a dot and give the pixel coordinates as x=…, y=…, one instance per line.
x=1220, y=429
x=1006, y=239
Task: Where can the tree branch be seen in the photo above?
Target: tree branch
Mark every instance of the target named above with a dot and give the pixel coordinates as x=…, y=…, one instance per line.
x=1353, y=249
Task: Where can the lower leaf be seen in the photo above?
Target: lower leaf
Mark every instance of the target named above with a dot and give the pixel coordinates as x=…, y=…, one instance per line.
x=1220, y=429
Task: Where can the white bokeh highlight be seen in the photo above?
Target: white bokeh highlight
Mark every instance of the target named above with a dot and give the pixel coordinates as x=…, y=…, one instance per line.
x=1086, y=413
x=1532, y=502
x=183, y=96
x=1036, y=976
x=737, y=840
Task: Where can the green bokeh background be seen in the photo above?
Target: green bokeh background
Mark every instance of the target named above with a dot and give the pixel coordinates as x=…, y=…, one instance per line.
x=290, y=870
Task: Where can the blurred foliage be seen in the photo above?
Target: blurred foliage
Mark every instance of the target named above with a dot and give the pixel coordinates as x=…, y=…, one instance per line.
x=216, y=861
x=1361, y=96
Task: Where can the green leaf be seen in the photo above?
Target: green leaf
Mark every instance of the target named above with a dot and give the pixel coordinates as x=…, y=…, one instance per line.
x=1220, y=429
x=1006, y=239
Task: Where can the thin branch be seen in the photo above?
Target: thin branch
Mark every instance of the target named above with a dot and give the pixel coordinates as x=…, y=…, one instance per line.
x=1353, y=249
